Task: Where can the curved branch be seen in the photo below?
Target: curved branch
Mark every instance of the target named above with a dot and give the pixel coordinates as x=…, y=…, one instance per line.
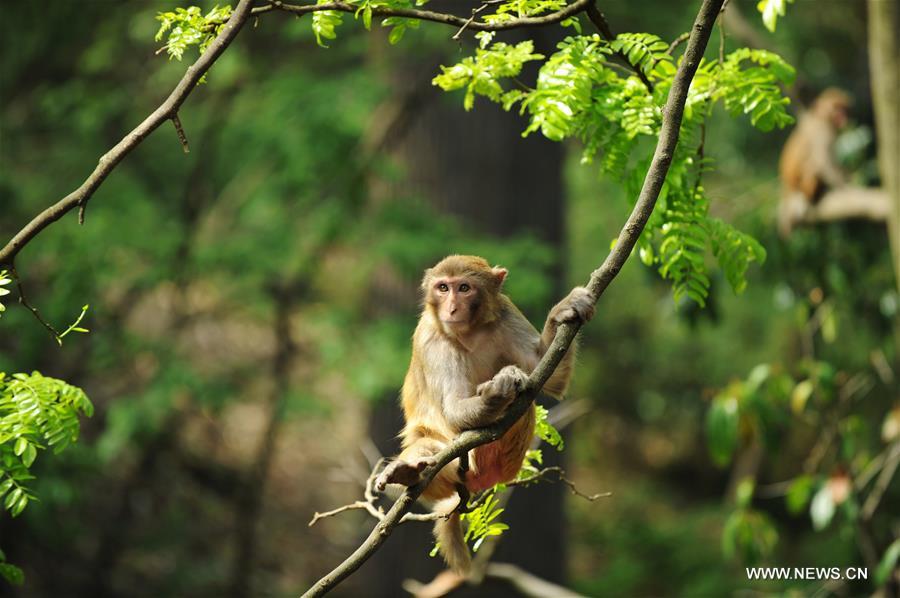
x=435, y=17
x=166, y=111
x=600, y=279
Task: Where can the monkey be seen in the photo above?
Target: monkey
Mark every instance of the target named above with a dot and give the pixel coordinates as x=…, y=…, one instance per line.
x=807, y=167
x=472, y=351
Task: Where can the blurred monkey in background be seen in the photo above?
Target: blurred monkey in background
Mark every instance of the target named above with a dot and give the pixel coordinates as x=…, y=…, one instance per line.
x=808, y=167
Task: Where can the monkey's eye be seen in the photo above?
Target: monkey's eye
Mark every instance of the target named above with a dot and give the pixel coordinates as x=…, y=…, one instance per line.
x=464, y=288
x=443, y=287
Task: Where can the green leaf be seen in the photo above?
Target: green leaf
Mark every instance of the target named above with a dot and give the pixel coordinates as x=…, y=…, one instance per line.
x=800, y=395
x=12, y=498
x=722, y=428
x=744, y=492
x=396, y=34
x=19, y=505
x=888, y=563
x=545, y=431
x=748, y=534
x=20, y=446
x=798, y=494
x=29, y=455
x=12, y=574
x=771, y=10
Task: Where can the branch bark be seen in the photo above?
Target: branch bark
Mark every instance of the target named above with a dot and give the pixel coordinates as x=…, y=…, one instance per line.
x=166, y=111
x=599, y=281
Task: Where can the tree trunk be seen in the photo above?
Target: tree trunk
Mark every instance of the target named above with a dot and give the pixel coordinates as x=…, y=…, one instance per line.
x=884, y=64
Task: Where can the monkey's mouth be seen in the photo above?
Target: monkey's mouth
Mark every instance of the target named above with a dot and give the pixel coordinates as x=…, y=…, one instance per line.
x=455, y=320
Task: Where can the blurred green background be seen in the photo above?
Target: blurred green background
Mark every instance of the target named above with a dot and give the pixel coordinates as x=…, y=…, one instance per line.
x=251, y=304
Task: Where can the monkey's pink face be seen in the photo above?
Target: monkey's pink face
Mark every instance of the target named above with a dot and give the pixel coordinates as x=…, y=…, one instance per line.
x=456, y=298
x=839, y=117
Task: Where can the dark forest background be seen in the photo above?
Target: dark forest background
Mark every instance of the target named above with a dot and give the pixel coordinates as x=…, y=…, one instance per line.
x=251, y=304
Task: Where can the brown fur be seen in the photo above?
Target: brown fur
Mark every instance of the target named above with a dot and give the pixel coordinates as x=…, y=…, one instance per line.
x=807, y=166
x=455, y=381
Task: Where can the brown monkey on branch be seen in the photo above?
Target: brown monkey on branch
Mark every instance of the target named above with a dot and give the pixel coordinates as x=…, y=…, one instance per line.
x=472, y=352
x=808, y=168
x=814, y=186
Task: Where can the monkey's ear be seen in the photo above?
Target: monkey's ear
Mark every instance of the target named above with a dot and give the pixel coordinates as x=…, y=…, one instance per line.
x=499, y=275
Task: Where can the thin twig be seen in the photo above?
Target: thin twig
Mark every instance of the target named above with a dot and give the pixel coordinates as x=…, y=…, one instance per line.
x=428, y=15
x=560, y=477
x=673, y=113
x=360, y=504
x=470, y=20
x=721, y=28
x=882, y=483
x=23, y=299
x=369, y=503
x=677, y=42
x=179, y=130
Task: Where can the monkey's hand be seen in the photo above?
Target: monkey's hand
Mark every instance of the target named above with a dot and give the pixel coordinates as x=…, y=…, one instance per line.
x=578, y=306
x=402, y=472
x=499, y=391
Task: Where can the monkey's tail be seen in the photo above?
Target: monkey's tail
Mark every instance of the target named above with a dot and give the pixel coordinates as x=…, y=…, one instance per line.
x=448, y=532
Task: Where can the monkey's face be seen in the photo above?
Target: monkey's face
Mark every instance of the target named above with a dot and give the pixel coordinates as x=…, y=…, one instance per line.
x=839, y=116
x=456, y=300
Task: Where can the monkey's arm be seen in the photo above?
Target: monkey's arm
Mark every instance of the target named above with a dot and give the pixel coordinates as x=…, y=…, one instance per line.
x=577, y=306
x=488, y=404
x=821, y=159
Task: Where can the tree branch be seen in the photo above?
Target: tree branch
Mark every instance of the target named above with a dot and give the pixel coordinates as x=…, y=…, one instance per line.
x=435, y=17
x=599, y=281
x=166, y=111
x=543, y=474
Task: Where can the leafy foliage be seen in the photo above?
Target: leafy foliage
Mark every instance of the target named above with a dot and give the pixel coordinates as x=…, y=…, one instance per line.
x=4, y=280
x=754, y=89
x=481, y=520
x=748, y=532
x=479, y=74
x=580, y=94
x=324, y=23
x=759, y=410
x=545, y=430
x=36, y=413
x=188, y=27
x=647, y=52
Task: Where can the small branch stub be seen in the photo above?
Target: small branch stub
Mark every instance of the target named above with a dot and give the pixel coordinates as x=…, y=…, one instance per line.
x=179, y=130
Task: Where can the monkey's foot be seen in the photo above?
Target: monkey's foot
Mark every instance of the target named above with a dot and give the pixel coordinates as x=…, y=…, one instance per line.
x=403, y=472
